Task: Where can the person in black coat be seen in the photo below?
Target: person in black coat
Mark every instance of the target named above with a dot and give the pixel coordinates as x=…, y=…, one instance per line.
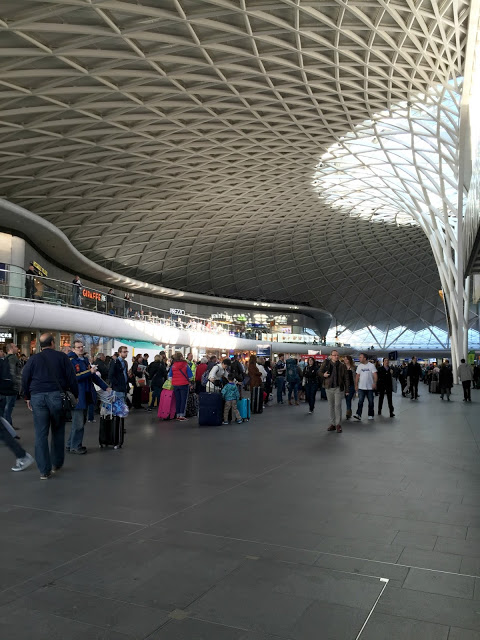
x=445, y=380
x=414, y=373
x=118, y=373
x=310, y=375
x=157, y=373
x=385, y=386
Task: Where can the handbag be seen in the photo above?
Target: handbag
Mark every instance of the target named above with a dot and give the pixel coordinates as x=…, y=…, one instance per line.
x=394, y=385
x=69, y=401
x=167, y=384
x=141, y=382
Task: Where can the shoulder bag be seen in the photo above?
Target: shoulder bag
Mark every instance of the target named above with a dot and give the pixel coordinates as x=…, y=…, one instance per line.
x=69, y=402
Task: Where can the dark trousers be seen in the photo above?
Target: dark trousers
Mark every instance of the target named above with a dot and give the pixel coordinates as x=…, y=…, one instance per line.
x=413, y=388
x=11, y=443
x=310, y=393
x=382, y=393
x=48, y=416
x=156, y=391
x=403, y=384
x=280, y=384
x=7, y=404
x=181, y=395
x=137, y=397
x=368, y=393
x=466, y=384
x=349, y=395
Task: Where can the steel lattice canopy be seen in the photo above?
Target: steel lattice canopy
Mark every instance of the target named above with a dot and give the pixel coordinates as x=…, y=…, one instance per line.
x=176, y=141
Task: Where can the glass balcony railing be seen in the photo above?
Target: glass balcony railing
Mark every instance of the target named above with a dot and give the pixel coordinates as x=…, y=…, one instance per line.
x=16, y=283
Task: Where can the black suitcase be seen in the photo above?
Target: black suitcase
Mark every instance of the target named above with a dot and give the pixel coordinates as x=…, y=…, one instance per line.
x=257, y=400
x=111, y=432
x=210, y=409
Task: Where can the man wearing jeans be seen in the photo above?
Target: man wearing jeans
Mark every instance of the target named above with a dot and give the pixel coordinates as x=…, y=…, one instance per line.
x=365, y=383
x=44, y=377
x=334, y=374
x=86, y=375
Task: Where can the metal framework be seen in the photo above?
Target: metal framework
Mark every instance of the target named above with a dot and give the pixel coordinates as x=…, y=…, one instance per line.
x=175, y=142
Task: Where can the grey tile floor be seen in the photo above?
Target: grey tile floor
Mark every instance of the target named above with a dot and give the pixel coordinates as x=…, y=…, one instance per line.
x=274, y=529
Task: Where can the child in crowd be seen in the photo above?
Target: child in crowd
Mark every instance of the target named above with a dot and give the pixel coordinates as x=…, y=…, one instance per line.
x=231, y=395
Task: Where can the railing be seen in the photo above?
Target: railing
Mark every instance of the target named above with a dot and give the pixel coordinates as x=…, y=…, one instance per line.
x=16, y=283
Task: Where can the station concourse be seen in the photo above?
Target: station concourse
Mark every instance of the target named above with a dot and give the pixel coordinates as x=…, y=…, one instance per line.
x=234, y=185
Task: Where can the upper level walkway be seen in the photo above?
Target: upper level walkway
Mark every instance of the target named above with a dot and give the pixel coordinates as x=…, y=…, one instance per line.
x=272, y=529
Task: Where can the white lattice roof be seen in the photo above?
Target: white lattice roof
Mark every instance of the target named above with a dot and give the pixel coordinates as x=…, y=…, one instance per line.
x=177, y=141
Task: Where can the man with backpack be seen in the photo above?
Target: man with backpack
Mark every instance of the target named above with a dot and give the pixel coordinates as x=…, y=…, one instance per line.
x=217, y=376
x=294, y=377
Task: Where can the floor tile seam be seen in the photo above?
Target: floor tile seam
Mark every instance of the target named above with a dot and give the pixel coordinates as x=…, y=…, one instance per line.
x=241, y=564
x=366, y=513
x=223, y=492
x=65, y=564
x=429, y=621
x=86, y=624
x=335, y=555
x=386, y=581
x=63, y=587
x=81, y=515
x=436, y=593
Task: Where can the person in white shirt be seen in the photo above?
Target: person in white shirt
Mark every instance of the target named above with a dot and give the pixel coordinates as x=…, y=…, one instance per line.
x=365, y=384
x=218, y=376
x=261, y=368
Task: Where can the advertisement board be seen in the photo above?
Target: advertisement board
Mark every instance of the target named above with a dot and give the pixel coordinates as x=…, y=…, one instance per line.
x=264, y=351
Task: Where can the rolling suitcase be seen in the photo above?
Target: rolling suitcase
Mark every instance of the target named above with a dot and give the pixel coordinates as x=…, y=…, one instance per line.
x=145, y=397
x=210, y=409
x=111, y=432
x=434, y=384
x=192, y=405
x=167, y=405
x=257, y=400
x=243, y=407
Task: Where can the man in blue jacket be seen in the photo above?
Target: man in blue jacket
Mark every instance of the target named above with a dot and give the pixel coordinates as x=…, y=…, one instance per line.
x=118, y=373
x=45, y=376
x=86, y=375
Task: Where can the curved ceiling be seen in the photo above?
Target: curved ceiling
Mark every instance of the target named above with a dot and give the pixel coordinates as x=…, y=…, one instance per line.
x=176, y=141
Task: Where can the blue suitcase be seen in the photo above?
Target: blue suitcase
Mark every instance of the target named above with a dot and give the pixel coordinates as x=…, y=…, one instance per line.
x=243, y=407
x=210, y=409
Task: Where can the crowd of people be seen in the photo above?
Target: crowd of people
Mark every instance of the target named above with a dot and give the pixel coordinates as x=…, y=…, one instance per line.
x=60, y=387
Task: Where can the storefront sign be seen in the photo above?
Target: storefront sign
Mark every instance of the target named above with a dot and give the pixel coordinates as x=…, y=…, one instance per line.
x=41, y=270
x=177, y=312
x=6, y=335
x=94, y=295
x=264, y=350
x=317, y=356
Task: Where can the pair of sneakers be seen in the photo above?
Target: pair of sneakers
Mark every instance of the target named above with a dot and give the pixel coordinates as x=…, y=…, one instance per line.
x=357, y=417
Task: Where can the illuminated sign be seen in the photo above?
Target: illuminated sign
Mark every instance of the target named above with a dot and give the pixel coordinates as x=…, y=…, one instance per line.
x=94, y=295
x=264, y=350
x=6, y=335
x=41, y=270
x=177, y=312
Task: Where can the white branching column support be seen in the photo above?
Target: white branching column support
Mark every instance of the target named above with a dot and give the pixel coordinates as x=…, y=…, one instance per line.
x=402, y=167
